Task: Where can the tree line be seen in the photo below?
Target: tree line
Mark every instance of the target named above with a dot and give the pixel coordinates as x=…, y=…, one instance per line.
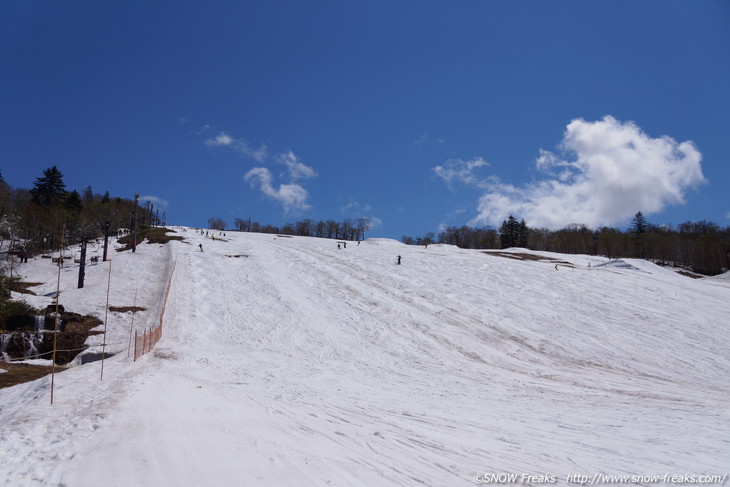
x=40, y=218
x=347, y=229
x=702, y=246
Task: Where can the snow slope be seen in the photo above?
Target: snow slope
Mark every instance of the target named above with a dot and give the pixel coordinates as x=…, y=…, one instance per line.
x=286, y=360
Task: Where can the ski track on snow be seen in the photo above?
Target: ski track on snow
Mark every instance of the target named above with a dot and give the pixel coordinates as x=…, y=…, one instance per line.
x=298, y=362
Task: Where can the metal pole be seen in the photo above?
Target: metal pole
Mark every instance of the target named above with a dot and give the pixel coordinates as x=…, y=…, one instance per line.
x=82, y=266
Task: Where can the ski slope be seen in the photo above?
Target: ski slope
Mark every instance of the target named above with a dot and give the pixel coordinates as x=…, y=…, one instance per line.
x=288, y=361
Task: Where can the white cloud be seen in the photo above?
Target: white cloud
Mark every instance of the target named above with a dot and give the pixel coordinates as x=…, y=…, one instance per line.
x=297, y=170
x=355, y=207
x=239, y=145
x=290, y=196
x=456, y=170
x=222, y=139
x=375, y=222
x=607, y=171
x=159, y=202
x=425, y=139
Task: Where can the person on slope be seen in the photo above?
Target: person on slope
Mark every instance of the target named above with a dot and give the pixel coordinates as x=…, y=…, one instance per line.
x=201, y=247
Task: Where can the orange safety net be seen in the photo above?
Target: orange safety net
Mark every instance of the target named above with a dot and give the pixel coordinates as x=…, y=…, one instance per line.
x=145, y=342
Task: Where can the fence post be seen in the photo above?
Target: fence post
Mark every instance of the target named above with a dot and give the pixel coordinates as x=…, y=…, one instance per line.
x=135, y=346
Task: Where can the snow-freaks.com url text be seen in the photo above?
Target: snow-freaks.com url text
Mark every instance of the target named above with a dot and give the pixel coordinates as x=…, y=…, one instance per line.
x=598, y=479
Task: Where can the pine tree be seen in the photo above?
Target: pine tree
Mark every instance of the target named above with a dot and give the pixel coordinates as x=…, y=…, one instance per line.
x=523, y=234
x=73, y=202
x=639, y=224
x=49, y=189
x=5, y=198
x=509, y=233
x=88, y=195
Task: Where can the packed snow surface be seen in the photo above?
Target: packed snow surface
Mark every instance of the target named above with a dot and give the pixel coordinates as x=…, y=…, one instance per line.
x=288, y=361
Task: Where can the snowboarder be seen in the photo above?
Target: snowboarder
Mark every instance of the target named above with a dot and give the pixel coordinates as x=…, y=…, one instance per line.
x=399, y=260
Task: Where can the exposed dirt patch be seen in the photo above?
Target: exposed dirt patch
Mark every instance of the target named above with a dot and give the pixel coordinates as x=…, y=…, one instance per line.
x=19, y=373
x=156, y=235
x=530, y=257
x=22, y=287
x=691, y=274
x=126, y=309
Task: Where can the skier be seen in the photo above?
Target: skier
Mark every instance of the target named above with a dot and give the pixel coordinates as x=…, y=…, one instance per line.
x=201, y=247
x=399, y=260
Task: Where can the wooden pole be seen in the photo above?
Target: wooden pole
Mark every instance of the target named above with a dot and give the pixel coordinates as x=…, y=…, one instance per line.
x=55, y=319
x=134, y=311
x=106, y=314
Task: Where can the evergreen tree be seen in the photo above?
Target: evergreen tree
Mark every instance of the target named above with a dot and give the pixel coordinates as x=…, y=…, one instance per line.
x=5, y=197
x=105, y=198
x=509, y=233
x=49, y=189
x=639, y=224
x=73, y=202
x=523, y=234
x=88, y=195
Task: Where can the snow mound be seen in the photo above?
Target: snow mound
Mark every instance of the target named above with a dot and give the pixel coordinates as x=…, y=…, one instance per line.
x=383, y=241
x=725, y=277
x=621, y=264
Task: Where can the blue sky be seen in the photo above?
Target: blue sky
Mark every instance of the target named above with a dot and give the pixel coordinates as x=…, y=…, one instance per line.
x=416, y=114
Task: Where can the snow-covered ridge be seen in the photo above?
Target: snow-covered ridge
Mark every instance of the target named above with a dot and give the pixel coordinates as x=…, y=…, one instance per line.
x=310, y=364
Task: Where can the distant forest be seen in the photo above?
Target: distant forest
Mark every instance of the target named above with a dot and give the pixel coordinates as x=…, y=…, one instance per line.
x=702, y=247
x=37, y=219
x=347, y=229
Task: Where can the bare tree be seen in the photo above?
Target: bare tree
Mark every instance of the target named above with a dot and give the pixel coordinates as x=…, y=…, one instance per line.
x=216, y=224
